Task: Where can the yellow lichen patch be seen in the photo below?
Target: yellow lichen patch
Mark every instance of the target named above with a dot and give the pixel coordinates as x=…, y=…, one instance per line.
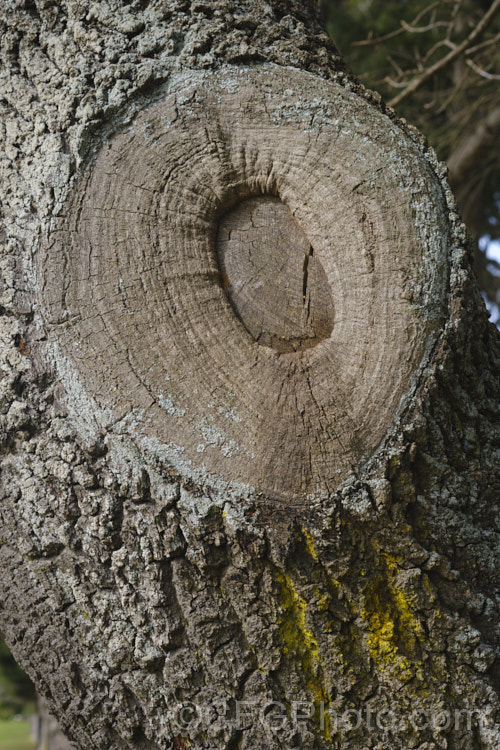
x=297, y=639
x=323, y=602
x=299, y=642
x=394, y=630
x=309, y=542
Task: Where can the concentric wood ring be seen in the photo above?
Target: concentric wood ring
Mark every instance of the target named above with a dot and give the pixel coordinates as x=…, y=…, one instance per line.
x=133, y=284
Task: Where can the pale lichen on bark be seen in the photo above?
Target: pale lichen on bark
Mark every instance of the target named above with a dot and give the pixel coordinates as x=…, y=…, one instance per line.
x=127, y=587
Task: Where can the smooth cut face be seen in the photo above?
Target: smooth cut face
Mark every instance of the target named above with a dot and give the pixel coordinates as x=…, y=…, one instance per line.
x=241, y=279
x=277, y=288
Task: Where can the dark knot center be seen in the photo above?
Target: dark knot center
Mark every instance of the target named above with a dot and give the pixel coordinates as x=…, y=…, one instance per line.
x=272, y=277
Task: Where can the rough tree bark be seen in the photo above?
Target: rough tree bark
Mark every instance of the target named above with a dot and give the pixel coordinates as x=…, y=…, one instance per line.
x=249, y=394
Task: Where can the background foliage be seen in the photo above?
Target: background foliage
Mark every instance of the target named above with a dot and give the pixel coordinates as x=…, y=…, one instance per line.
x=452, y=47
x=17, y=694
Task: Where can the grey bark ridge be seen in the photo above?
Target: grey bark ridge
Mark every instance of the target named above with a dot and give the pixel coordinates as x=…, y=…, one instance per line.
x=382, y=592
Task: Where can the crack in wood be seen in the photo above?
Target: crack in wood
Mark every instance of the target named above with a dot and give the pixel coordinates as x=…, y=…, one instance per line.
x=305, y=273
x=276, y=289
x=156, y=298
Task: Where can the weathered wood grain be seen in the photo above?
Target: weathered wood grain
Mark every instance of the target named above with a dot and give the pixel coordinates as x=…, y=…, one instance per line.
x=157, y=323
x=277, y=287
x=128, y=590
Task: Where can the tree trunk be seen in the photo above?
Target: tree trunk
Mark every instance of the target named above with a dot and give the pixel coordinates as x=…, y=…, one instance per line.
x=46, y=731
x=250, y=394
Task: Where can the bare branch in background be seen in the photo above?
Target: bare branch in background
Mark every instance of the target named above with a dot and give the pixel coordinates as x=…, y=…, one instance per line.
x=423, y=29
x=397, y=32
x=475, y=34
x=483, y=45
x=454, y=15
x=438, y=45
x=441, y=69
x=481, y=72
x=465, y=158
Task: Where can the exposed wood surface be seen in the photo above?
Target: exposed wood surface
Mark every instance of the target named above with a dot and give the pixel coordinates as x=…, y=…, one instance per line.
x=135, y=581
x=135, y=294
x=277, y=287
